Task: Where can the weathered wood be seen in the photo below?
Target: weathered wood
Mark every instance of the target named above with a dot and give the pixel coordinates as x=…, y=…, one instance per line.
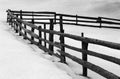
x=92, y=67
x=105, y=57
x=85, y=39
x=40, y=35
x=16, y=24
x=42, y=15
x=51, y=36
x=55, y=18
x=84, y=17
x=43, y=12
x=45, y=35
x=49, y=42
x=16, y=29
x=76, y=20
x=40, y=22
x=30, y=25
x=20, y=29
x=62, y=40
x=15, y=21
x=38, y=18
x=32, y=29
x=20, y=14
x=25, y=32
x=20, y=22
x=29, y=32
x=80, y=24
x=84, y=55
x=24, y=22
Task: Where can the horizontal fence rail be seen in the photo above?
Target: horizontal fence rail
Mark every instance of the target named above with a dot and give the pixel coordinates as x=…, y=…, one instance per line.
x=45, y=38
x=43, y=17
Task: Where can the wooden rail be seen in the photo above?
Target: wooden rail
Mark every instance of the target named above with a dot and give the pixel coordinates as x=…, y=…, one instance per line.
x=17, y=21
x=44, y=17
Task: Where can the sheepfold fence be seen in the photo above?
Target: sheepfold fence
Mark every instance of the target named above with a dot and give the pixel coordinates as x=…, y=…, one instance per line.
x=25, y=24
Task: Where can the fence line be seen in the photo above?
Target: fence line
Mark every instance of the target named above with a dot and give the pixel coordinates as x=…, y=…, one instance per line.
x=17, y=21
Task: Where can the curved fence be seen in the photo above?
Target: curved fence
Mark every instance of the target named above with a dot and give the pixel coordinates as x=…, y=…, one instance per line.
x=23, y=22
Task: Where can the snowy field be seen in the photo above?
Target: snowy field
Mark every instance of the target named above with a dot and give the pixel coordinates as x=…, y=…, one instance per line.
x=21, y=60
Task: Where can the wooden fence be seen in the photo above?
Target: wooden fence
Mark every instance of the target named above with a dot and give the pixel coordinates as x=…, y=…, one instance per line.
x=26, y=27
x=43, y=18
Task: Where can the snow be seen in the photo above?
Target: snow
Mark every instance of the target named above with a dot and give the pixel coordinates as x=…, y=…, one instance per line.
x=21, y=60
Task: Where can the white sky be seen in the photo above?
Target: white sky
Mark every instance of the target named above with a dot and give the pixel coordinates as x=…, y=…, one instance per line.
x=80, y=7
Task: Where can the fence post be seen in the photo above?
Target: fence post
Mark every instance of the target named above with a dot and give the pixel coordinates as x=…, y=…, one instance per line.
x=45, y=35
x=55, y=18
x=100, y=21
x=32, y=29
x=9, y=18
x=62, y=41
x=25, y=32
x=21, y=14
x=51, y=37
x=16, y=24
x=84, y=55
x=40, y=35
x=13, y=22
x=76, y=20
x=20, y=22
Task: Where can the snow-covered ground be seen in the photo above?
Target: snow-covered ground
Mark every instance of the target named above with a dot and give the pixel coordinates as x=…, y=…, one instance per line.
x=21, y=60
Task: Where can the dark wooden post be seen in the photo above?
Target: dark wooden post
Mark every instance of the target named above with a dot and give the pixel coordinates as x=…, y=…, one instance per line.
x=20, y=22
x=62, y=41
x=100, y=21
x=16, y=28
x=51, y=37
x=55, y=18
x=45, y=35
x=21, y=14
x=10, y=18
x=32, y=29
x=76, y=20
x=11, y=21
x=25, y=32
x=40, y=35
x=84, y=55
x=20, y=29
x=16, y=24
